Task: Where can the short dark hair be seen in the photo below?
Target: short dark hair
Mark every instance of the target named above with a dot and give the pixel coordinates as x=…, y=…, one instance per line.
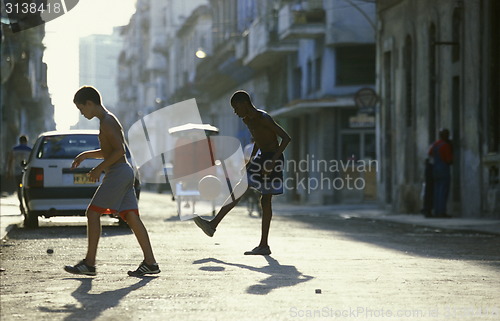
x=23, y=139
x=444, y=133
x=240, y=96
x=87, y=93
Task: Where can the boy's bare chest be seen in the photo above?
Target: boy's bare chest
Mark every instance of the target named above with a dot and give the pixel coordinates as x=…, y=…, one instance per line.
x=255, y=126
x=103, y=142
x=261, y=133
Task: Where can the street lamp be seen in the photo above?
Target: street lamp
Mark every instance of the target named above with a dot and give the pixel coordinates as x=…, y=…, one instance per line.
x=200, y=53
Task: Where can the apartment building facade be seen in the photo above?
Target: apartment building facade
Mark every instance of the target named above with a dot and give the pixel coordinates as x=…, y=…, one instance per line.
x=438, y=66
x=301, y=61
x=299, y=66
x=98, y=68
x=25, y=104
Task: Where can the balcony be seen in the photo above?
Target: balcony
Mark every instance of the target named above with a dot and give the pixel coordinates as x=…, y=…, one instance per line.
x=160, y=44
x=351, y=25
x=241, y=47
x=156, y=62
x=304, y=21
x=220, y=73
x=263, y=47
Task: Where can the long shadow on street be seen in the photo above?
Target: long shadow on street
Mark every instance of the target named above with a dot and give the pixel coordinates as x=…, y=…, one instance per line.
x=93, y=305
x=60, y=232
x=417, y=240
x=280, y=276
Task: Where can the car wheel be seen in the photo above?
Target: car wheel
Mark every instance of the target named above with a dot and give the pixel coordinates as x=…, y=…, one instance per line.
x=31, y=219
x=122, y=223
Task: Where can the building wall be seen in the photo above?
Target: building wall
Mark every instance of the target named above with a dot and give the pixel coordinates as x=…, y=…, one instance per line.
x=421, y=94
x=295, y=66
x=99, y=68
x=149, y=61
x=286, y=56
x=25, y=104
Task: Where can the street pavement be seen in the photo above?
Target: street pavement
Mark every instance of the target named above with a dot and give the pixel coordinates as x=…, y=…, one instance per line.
x=328, y=263
x=10, y=216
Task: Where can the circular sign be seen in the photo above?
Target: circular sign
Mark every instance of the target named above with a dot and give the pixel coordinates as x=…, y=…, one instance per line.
x=366, y=98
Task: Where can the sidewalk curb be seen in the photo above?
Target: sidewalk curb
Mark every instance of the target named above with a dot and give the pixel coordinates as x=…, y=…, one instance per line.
x=10, y=215
x=371, y=212
x=6, y=231
x=441, y=224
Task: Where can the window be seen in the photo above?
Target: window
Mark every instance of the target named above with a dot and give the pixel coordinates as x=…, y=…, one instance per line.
x=309, y=76
x=355, y=65
x=297, y=83
x=317, y=73
x=493, y=110
x=456, y=30
x=408, y=67
x=432, y=83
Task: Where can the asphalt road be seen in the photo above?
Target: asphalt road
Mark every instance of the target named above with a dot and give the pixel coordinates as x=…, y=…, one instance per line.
x=327, y=267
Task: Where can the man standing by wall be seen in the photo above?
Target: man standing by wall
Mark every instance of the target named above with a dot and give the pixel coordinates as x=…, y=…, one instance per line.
x=442, y=156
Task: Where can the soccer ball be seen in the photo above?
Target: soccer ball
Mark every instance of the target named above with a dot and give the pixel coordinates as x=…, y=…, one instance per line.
x=209, y=187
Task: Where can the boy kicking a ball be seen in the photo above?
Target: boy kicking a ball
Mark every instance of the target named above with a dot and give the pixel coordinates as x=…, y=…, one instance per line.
x=116, y=193
x=264, y=169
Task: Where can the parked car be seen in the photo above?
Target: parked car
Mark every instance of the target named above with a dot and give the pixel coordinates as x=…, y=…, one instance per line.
x=50, y=187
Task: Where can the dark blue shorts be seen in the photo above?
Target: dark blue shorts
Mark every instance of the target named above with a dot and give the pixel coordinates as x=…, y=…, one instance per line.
x=270, y=184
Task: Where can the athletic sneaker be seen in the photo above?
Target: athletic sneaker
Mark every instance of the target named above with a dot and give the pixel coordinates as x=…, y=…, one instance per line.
x=144, y=269
x=81, y=268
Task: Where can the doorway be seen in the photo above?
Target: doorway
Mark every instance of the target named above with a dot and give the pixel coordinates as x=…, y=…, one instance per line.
x=358, y=157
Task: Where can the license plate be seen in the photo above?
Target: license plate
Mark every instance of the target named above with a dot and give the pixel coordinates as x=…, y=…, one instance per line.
x=81, y=179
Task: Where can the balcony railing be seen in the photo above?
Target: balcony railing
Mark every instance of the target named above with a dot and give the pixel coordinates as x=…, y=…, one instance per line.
x=301, y=21
x=264, y=47
x=241, y=47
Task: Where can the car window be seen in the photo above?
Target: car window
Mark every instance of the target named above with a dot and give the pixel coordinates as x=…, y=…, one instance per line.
x=66, y=146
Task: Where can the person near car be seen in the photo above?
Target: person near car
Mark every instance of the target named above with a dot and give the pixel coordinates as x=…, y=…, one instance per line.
x=115, y=194
x=19, y=154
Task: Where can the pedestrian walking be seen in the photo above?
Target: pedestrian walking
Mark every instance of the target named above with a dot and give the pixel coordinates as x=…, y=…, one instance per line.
x=264, y=169
x=116, y=194
x=19, y=154
x=442, y=158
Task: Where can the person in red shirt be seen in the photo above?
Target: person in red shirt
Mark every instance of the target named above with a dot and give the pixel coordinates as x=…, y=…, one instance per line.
x=442, y=157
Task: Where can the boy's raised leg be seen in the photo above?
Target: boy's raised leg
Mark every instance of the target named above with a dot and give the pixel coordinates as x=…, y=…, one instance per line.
x=229, y=205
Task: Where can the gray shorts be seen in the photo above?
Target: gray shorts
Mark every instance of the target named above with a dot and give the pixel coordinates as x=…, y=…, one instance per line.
x=271, y=184
x=116, y=194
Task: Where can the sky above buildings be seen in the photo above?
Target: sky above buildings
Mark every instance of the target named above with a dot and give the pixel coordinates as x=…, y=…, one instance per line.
x=62, y=56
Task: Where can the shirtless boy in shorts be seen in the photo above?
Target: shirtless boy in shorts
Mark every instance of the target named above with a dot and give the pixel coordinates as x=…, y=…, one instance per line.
x=264, y=170
x=116, y=193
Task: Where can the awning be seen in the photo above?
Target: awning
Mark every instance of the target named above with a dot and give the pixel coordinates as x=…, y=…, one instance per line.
x=300, y=107
x=193, y=127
